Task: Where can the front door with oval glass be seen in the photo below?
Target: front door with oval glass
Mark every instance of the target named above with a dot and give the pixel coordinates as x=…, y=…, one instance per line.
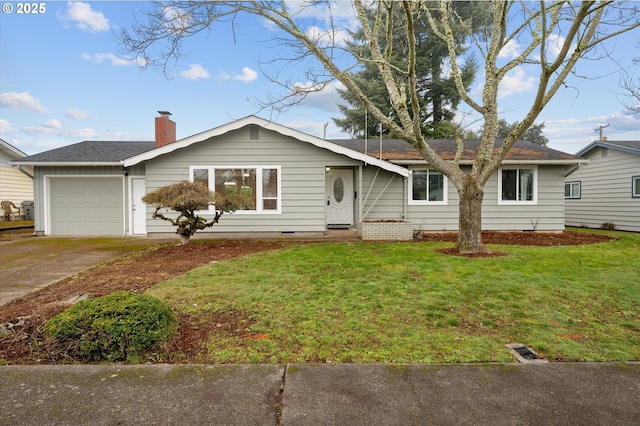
x=339, y=198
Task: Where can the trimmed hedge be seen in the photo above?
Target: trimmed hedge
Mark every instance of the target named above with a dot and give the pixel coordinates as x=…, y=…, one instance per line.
x=116, y=327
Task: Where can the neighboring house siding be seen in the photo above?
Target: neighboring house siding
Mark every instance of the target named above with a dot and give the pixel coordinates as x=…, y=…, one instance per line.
x=302, y=178
x=545, y=215
x=605, y=191
x=15, y=186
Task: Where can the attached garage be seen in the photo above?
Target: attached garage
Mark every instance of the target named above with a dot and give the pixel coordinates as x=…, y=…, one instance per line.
x=87, y=205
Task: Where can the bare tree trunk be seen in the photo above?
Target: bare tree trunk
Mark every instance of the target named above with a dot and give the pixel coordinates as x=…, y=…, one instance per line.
x=470, y=218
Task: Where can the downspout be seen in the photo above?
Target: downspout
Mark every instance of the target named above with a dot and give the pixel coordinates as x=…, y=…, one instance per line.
x=405, y=197
x=360, y=198
x=25, y=172
x=572, y=170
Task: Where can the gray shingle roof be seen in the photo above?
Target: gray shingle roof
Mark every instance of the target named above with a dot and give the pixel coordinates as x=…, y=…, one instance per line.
x=398, y=150
x=91, y=152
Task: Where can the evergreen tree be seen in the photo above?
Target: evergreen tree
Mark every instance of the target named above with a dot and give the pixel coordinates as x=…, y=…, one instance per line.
x=439, y=97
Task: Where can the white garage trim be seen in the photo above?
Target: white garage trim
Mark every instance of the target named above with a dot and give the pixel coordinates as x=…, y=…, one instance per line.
x=48, y=200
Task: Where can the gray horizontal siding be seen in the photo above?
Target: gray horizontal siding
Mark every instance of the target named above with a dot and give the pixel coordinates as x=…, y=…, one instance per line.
x=302, y=178
x=546, y=215
x=605, y=192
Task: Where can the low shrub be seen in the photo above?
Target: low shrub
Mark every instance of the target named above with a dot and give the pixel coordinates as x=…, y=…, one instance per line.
x=608, y=226
x=116, y=327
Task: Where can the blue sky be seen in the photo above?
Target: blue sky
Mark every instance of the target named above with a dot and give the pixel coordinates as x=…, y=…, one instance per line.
x=62, y=82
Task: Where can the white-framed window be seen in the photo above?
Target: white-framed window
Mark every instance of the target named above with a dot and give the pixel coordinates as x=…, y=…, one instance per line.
x=427, y=186
x=635, y=186
x=518, y=185
x=572, y=189
x=259, y=183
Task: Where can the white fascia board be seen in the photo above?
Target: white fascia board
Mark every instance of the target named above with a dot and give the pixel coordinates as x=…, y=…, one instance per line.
x=269, y=125
x=507, y=162
x=65, y=163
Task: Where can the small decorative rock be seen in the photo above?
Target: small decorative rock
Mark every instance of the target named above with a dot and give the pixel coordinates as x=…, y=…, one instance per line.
x=75, y=298
x=7, y=328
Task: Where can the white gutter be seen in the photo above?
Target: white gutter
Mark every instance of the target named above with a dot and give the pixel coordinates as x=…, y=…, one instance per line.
x=508, y=162
x=66, y=163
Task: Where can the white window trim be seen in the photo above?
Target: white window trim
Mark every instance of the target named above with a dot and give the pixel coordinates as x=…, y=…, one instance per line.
x=516, y=202
x=570, y=197
x=445, y=190
x=259, y=169
x=635, y=186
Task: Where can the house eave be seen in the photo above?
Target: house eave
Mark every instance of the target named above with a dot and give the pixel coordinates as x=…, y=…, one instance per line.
x=269, y=125
x=506, y=162
x=66, y=163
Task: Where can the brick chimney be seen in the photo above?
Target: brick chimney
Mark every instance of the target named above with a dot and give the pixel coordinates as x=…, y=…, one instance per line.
x=165, y=129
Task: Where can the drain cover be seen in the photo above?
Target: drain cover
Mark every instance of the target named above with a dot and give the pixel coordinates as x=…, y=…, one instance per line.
x=524, y=354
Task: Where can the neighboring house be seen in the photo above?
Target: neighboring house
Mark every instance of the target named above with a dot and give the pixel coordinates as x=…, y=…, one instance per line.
x=606, y=190
x=302, y=184
x=16, y=183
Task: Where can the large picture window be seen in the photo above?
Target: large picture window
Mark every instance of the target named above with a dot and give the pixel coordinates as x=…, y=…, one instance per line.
x=260, y=184
x=517, y=186
x=427, y=187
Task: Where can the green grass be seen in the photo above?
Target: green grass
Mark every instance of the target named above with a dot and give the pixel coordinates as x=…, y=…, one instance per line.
x=406, y=303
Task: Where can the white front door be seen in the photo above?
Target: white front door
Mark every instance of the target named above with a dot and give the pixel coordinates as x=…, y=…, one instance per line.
x=339, y=197
x=138, y=208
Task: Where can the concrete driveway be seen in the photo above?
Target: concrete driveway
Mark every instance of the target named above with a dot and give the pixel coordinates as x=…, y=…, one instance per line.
x=30, y=263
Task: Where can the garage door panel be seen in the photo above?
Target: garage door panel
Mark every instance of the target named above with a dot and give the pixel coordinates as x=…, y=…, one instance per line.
x=86, y=206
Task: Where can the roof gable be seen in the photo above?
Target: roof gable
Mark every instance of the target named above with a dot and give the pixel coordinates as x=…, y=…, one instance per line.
x=630, y=147
x=11, y=150
x=268, y=125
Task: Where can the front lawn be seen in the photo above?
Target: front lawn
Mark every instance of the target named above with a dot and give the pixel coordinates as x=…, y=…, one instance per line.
x=407, y=303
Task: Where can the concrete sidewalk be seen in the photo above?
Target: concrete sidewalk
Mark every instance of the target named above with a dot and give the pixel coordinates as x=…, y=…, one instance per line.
x=322, y=394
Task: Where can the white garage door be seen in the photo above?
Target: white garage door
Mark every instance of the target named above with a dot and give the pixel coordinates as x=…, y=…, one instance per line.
x=86, y=206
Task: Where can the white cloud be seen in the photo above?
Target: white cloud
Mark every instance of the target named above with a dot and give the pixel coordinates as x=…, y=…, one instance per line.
x=5, y=128
x=328, y=37
x=326, y=99
x=554, y=44
x=52, y=124
x=98, y=58
x=175, y=18
x=49, y=129
x=572, y=134
x=247, y=76
x=22, y=100
x=195, y=72
x=516, y=81
x=85, y=18
x=76, y=114
x=510, y=50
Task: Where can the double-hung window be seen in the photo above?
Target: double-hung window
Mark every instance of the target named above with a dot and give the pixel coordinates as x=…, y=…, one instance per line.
x=635, y=186
x=518, y=185
x=259, y=184
x=572, y=189
x=427, y=186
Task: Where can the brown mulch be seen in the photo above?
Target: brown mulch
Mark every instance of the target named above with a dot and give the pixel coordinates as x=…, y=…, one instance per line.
x=138, y=273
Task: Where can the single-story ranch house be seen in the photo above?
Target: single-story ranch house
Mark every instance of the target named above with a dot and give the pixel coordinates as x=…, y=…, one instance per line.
x=605, y=192
x=302, y=185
